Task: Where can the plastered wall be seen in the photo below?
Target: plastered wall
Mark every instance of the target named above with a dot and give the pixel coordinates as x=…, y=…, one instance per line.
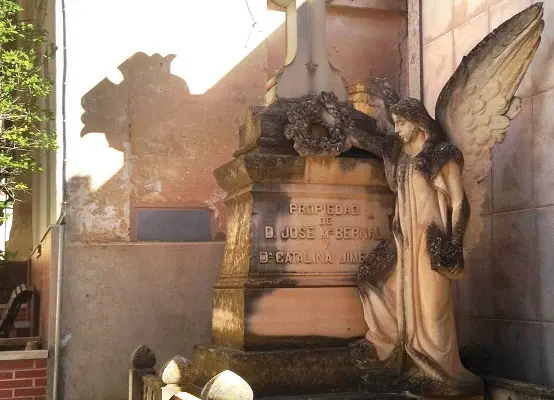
x=506, y=301
x=154, y=97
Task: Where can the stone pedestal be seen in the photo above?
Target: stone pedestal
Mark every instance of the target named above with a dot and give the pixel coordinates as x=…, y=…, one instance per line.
x=286, y=303
x=298, y=228
x=368, y=396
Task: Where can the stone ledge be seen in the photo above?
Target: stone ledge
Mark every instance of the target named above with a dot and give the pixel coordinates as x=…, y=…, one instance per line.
x=259, y=280
x=18, y=341
x=341, y=396
x=148, y=244
x=529, y=390
x=23, y=355
x=365, y=396
x=283, y=372
x=383, y=5
x=248, y=169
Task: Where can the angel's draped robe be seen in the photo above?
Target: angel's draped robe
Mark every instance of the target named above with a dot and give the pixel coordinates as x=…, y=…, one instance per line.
x=412, y=310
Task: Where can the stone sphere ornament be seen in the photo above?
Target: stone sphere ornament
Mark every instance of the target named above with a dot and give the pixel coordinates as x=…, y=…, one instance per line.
x=178, y=371
x=143, y=358
x=227, y=386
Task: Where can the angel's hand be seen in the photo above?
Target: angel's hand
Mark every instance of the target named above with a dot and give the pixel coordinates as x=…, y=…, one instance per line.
x=453, y=273
x=446, y=255
x=327, y=119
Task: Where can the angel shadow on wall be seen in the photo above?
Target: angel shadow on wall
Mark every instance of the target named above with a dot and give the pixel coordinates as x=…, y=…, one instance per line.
x=147, y=96
x=141, y=117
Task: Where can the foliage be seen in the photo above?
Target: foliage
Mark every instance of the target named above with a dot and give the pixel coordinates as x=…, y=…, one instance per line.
x=23, y=50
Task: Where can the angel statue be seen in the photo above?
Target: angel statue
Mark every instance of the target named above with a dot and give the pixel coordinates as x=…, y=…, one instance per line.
x=406, y=283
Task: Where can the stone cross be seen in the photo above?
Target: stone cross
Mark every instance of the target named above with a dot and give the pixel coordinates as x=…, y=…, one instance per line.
x=307, y=69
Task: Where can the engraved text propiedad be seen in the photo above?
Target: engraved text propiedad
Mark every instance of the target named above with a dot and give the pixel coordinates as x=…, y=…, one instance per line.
x=322, y=233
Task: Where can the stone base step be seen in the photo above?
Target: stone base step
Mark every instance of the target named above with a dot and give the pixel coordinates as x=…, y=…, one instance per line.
x=281, y=372
x=366, y=396
x=340, y=396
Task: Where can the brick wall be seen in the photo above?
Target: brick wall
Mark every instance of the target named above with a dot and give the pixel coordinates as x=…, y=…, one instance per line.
x=23, y=379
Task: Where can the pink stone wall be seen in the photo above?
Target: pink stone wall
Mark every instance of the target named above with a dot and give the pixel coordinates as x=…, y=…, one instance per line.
x=154, y=100
x=164, y=139
x=505, y=300
x=361, y=43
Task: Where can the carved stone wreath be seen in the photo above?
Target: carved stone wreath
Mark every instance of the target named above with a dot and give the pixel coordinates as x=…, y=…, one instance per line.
x=303, y=115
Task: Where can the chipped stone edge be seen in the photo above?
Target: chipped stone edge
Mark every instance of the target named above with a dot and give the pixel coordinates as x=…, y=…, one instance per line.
x=383, y=5
x=146, y=244
x=526, y=388
x=23, y=355
x=414, y=49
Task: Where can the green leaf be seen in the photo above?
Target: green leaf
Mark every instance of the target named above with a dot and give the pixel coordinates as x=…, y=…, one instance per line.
x=24, y=49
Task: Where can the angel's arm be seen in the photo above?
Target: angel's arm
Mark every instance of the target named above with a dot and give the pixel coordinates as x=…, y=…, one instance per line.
x=446, y=248
x=452, y=174
x=365, y=134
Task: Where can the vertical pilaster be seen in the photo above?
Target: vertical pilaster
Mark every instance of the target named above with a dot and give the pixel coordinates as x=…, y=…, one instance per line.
x=414, y=49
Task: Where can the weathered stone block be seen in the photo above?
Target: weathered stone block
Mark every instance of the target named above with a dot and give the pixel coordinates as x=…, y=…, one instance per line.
x=543, y=145
x=286, y=303
x=438, y=59
x=467, y=35
x=263, y=131
x=437, y=18
x=515, y=277
x=297, y=229
x=512, y=175
x=282, y=372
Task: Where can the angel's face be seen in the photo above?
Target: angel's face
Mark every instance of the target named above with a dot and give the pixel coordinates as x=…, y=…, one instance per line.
x=404, y=129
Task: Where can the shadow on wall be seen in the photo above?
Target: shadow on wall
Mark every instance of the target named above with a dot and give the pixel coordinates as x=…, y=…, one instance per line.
x=147, y=87
x=143, y=143
x=147, y=141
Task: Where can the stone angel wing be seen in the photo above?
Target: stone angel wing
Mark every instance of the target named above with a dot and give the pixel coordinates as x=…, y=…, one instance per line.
x=477, y=103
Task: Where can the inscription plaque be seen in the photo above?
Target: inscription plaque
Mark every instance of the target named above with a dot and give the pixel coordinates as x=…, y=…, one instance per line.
x=321, y=236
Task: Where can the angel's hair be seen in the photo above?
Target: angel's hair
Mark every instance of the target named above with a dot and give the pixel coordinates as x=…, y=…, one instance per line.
x=414, y=111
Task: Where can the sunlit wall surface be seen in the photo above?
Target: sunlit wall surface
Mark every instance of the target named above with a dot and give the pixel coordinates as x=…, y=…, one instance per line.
x=155, y=95
x=505, y=302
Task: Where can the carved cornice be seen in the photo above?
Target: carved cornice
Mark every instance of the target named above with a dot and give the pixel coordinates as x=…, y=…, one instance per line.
x=383, y=5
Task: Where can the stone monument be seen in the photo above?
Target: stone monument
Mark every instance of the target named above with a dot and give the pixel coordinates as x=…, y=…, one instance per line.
x=286, y=304
x=406, y=283
x=301, y=221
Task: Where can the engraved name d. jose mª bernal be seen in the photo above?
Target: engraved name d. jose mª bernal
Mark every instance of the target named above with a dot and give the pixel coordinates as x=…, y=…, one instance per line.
x=330, y=223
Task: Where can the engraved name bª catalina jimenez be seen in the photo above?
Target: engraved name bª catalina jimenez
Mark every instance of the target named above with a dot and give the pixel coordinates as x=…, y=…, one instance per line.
x=317, y=223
